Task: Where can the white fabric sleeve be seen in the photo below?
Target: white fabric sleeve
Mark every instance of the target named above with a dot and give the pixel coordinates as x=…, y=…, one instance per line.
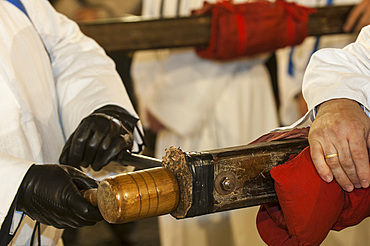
x=85, y=76
x=340, y=73
x=12, y=171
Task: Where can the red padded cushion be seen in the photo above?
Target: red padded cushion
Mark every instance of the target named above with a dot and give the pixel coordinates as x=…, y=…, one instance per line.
x=251, y=28
x=356, y=209
x=308, y=206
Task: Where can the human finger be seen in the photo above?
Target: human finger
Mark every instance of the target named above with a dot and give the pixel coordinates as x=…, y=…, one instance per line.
x=78, y=144
x=331, y=158
x=364, y=20
x=347, y=163
x=99, y=162
x=91, y=149
x=122, y=142
x=352, y=18
x=360, y=156
x=319, y=162
x=355, y=15
x=339, y=175
x=325, y=158
x=342, y=167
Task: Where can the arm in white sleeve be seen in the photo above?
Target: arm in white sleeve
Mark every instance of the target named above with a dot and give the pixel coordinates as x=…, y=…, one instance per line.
x=85, y=76
x=340, y=73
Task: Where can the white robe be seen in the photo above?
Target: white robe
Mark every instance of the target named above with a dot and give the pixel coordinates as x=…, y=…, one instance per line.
x=204, y=105
x=341, y=73
x=42, y=102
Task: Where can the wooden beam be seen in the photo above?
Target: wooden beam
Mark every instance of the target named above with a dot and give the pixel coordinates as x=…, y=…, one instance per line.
x=129, y=34
x=328, y=20
x=137, y=33
x=195, y=183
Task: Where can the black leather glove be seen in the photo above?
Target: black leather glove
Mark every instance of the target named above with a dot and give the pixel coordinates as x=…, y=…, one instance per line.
x=100, y=138
x=51, y=195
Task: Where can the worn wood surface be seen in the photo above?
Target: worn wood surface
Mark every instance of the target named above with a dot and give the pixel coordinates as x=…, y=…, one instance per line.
x=247, y=171
x=227, y=178
x=328, y=20
x=195, y=183
x=91, y=196
x=242, y=174
x=137, y=195
x=135, y=33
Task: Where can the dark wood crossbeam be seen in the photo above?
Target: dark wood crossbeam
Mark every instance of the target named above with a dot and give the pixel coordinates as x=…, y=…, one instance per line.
x=136, y=33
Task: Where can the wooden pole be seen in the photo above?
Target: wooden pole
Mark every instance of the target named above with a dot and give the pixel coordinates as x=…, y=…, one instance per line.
x=195, y=183
x=136, y=33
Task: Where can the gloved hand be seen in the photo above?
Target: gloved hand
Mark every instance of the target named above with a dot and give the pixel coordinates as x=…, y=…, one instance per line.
x=99, y=138
x=51, y=195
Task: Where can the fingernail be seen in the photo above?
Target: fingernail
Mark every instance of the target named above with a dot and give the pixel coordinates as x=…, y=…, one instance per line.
x=364, y=183
x=348, y=188
x=328, y=178
x=358, y=186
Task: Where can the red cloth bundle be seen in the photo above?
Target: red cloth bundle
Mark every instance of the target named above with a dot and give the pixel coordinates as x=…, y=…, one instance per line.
x=308, y=206
x=252, y=28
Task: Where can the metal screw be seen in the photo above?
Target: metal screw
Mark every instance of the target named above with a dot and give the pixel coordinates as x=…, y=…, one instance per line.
x=227, y=184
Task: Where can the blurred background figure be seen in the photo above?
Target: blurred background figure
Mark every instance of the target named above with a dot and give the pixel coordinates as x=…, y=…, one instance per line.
x=198, y=104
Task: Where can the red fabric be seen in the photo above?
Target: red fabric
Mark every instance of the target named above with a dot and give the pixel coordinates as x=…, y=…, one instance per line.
x=296, y=133
x=308, y=206
x=252, y=28
x=356, y=209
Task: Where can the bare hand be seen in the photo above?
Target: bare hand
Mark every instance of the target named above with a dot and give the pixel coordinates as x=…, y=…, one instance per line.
x=341, y=127
x=359, y=16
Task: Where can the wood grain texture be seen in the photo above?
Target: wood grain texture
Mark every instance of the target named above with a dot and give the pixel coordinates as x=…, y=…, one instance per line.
x=236, y=177
x=91, y=196
x=137, y=195
x=132, y=34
